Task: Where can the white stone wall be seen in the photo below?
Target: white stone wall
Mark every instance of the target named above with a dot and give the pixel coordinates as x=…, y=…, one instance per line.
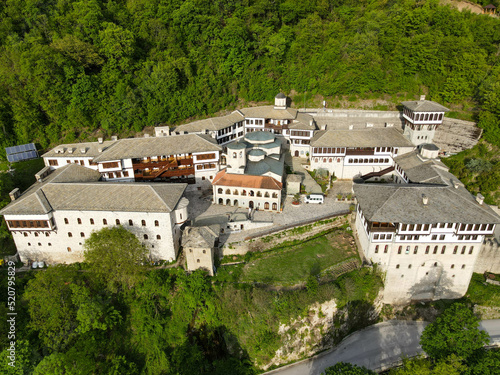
x=54, y=247
x=197, y=258
x=76, y=158
x=244, y=200
x=418, y=137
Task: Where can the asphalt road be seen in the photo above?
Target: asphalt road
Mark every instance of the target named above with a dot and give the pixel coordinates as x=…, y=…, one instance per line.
x=377, y=347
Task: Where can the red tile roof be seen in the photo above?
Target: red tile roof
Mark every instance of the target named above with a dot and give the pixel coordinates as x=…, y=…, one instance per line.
x=256, y=182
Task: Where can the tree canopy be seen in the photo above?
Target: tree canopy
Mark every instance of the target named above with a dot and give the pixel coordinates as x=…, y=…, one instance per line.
x=116, y=257
x=343, y=368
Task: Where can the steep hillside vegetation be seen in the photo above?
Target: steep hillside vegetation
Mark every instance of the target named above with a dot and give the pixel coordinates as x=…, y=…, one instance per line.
x=69, y=68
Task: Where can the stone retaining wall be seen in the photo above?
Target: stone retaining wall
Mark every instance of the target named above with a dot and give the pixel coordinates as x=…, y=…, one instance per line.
x=268, y=241
x=489, y=258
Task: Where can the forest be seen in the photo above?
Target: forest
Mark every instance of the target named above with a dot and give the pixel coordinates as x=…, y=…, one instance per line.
x=73, y=69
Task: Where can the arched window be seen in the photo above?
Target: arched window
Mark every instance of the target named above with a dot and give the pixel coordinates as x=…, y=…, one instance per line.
x=235, y=203
x=221, y=201
x=146, y=237
x=228, y=192
x=228, y=202
x=275, y=195
x=157, y=224
x=105, y=222
x=158, y=237
x=79, y=221
x=234, y=154
x=244, y=192
x=266, y=195
x=82, y=234
x=70, y=234
x=235, y=192
x=69, y=249
x=66, y=221
x=266, y=206
x=259, y=194
x=275, y=207
x=219, y=190
x=91, y=221
x=251, y=193
x=143, y=223
x=117, y=221
x=130, y=222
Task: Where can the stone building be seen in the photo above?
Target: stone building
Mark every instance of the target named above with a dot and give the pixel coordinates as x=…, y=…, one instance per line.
x=254, y=174
x=191, y=158
x=198, y=244
x=425, y=237
x=51, y=220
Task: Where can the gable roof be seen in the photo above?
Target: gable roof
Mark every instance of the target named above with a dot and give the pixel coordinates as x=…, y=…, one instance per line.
x=424, y=106
x=426, y=171
x=61, y=190
x=401, y=203
x=91, y=149
x=240, y=180
x=131, y=148
x=367, y=137
x=214, y=123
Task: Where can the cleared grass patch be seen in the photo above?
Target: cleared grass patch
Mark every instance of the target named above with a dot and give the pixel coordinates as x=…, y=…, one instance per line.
x=295, y=263
x=483, y=294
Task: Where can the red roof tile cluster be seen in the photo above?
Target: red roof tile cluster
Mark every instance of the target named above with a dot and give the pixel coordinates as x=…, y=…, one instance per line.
x=242, y=180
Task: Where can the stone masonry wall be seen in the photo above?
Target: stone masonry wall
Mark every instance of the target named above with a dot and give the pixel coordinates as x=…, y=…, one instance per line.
x=268, y=241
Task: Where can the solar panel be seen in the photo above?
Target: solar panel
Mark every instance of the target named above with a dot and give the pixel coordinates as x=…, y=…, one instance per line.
x=21, y=152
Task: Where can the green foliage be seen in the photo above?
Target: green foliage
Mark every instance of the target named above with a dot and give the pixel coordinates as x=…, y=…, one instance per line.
x=481, y=293
x=116, y=257
x=456, y=332
x=69, y=68
x=451, y=365
x=343, y=368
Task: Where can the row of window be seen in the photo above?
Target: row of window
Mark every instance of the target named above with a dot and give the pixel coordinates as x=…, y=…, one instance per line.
x=28, y=224
x=145, y=236
x=370, y=161
x=328, y=150
x=427, y=249
x=251, y=193
x=118, y=174
x=109, y=165
x=200, y=167
x=424, y=116
x=382, y=236
x=435, y=265
x=301, y=141
x=254, y=122
x=205, y=157
x=117, y=221
x=297, y=133
x=26, y=234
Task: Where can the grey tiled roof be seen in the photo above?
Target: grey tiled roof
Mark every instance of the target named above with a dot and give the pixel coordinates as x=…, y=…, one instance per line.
x=154, y=146
x=201, y=237
x=268, y=111
x=421, y=170
x=368, y=137
x=91, y=149
x=425, y=106
x=214, y=123
x=60, y=191
x=400, y=203
x=303, y=121
x=269, y=164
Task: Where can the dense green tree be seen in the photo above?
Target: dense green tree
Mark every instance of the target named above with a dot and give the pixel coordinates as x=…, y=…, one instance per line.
x=456, y=331
x=343, y=368
x=116, y=257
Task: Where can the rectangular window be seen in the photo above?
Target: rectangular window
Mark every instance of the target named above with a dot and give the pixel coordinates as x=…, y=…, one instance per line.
x=53, y=162
x=427, y=249
x=205, y=156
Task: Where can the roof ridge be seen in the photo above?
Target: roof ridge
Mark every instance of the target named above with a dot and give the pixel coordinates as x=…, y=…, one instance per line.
x=161, y=199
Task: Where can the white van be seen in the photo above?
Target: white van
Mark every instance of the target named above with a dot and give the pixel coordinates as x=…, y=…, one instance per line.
x=314, y=198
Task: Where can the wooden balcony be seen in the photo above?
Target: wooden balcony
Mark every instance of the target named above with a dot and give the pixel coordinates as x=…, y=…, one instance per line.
x=360, y=152
x=141, y=175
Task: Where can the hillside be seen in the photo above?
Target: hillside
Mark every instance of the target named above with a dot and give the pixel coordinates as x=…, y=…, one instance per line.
x=74, y=69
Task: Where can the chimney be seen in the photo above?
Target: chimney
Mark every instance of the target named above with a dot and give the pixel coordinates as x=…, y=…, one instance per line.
x=14, y=194
x=83, y=150
x=389, y=125
x=455, y=184
x=422, y=97
x=100, y=149
x=479, y=198
x=351, y=127
x=425, y=199
x=100, y=140
x=114, y=138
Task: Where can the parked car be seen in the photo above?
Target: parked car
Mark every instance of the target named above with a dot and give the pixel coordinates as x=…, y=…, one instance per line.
x=315, y=198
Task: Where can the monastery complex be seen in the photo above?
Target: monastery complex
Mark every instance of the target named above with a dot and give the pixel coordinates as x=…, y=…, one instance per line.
x=413, y=218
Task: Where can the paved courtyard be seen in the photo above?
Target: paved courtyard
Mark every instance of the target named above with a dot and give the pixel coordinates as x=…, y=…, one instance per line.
x=201, y=206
